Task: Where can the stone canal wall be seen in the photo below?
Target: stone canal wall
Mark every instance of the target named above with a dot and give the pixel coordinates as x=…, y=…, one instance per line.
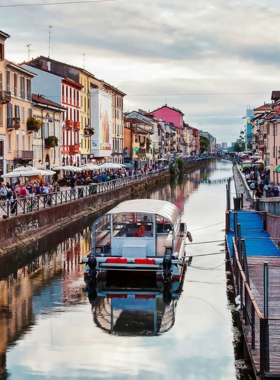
x=24, y=229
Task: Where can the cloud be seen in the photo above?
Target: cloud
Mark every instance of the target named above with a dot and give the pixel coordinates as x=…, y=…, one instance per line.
x=166, y=48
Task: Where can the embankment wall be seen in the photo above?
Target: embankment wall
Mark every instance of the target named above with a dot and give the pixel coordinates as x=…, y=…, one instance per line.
x=24, y=229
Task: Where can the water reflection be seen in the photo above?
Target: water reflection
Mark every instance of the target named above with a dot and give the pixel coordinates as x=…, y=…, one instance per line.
x=47, y=330
x=43, y=285
x=139, y=312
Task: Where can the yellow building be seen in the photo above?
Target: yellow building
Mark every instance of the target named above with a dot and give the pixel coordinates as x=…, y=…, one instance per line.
x=19, y=140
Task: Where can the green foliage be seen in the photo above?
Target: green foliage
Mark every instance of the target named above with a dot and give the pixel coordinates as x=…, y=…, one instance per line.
x=204, y=144
x=51, y=141
x=33, y=124
x=180, y=164
x=239, y=146
x=148, y=144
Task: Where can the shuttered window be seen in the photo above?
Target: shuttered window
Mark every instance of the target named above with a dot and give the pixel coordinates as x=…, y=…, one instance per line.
x=9, y=114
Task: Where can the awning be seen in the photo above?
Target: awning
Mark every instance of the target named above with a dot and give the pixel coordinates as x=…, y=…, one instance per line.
x=277, y=169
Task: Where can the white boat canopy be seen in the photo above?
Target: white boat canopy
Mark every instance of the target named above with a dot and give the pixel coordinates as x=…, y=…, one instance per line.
x=150, y=206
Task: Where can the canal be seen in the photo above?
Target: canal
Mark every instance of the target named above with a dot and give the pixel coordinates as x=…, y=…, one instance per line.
x=51, y=328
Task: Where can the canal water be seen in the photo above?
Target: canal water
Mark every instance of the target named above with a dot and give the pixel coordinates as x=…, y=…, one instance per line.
x=52, y=328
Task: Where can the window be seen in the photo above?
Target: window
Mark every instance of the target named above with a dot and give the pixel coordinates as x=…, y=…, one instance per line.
x=1, y=117
x=17, y=112
x=29, y=142
x=15, y=84
x=2, y=49
x=9, y=142
x=23, y=114
x=1, y=148
x=45, y=130
x=8, y=76
x=23, y=142
x=22, y=81
x=28, y=82
x=17, y=143
x=1, y=81
x=9, y=114
x=29, y=112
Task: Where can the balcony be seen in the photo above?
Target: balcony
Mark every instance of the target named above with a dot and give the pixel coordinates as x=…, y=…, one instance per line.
x=5, y=97
x=141, y=151
x=69, y=124
x=77, y=125
x=13, y=124
x=74, y=149
x=24, y=154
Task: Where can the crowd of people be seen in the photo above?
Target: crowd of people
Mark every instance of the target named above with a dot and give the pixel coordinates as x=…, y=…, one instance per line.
x=11, y=192
x=259, y=182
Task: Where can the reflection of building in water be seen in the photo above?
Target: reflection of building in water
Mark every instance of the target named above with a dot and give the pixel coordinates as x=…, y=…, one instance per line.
x=134, y=313
x=36, y=287
x=179, y=191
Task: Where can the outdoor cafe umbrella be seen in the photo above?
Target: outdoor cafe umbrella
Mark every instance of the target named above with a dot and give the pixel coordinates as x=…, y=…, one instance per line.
x=27, y=173
x=88, y=167
x=68, y=168
x=109, y=165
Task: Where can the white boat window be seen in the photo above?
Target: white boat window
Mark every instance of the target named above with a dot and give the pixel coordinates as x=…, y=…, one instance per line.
x=132, y=225
x=102, y=235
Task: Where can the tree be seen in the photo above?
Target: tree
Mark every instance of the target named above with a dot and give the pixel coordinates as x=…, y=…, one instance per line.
x=204, y=144
x=239, y=146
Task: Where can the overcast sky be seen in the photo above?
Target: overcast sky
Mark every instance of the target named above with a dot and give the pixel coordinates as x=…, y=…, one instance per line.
x=210, y=58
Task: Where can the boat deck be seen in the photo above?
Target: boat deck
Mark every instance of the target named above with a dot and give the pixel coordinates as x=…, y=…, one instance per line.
x=258, y=331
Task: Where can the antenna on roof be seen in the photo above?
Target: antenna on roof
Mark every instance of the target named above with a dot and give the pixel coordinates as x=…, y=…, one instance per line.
x=84, y=60
x=28, y=51
x=50, y=41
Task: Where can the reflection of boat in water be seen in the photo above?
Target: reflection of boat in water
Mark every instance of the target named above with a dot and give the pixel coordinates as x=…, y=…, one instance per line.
x=143, y=235
x=144, y=312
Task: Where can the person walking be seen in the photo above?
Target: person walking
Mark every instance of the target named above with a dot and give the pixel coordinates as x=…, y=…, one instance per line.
x=72, y=184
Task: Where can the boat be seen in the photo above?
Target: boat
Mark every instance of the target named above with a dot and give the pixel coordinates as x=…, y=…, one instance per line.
x=143, y=235
x=137, y=312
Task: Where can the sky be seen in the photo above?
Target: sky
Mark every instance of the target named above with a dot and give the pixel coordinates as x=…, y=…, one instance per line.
x=212, y=59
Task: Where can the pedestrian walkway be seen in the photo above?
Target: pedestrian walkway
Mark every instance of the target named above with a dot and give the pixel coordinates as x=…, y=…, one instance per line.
x=240, y=188
x=258, y=241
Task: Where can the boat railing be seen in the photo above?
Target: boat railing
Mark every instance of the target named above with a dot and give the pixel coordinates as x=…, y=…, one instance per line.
x=24, y=205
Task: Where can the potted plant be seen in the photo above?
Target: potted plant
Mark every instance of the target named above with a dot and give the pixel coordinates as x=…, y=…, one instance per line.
x=33, y=124
x=51, y=142
x=89, y=131
x=16, y=122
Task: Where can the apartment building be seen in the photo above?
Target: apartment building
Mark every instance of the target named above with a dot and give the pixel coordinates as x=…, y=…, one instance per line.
x=94, y=144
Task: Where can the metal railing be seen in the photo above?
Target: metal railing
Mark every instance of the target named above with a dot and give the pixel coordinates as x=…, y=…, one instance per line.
x=38, y=202
x=259, y=330
x=270, y=205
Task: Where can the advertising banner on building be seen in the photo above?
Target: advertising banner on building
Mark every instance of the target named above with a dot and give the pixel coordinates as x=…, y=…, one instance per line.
x=101, y=121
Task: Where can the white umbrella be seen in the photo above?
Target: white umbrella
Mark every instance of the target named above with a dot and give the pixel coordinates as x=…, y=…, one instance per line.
x=88, y=167
x=68, y=168
x=109, y=165
x=23, y=168
x=22, y=173
x=31, y=168
x=46, y=171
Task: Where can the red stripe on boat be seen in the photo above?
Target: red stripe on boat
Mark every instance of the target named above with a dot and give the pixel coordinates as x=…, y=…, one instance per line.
x=116, y=260
x=144, y=261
